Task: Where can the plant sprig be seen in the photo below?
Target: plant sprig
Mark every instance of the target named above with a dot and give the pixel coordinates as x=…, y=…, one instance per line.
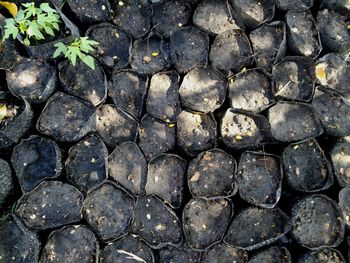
x=32, y=23
x=78, y=48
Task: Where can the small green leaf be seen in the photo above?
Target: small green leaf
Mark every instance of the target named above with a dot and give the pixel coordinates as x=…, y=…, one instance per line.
x=10, y=29
x=33, y=30
x=89, y=60
x=55, y=26
x=22, y=26
x=76, y=42
x=13, y=208
x=30, y=10
x=20, y=15
x=93, y=42
x=26, y=42
x=73, y=53
x=73, y=59
x=41, y=19
x=51, y=18
x=87, y=45
x=86, y=48
x=61, y=49
x=87, y=40
x=59, y=44
x=10, y=22
x=46, y=8
x=49, y=31
x=26, y=4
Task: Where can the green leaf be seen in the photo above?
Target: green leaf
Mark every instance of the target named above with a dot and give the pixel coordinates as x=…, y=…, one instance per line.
x=10, y=22
x=26, y=42
x=10, y=29
x=33, y=30
x=51, y=18
x=30, y=10
x=41, y=19
x=89, y=41
x=49, y=31
x=59, y=44
x=73, y=53
x=46, y=8
x=89, y=60
x=55, y=26
x=13, y=208
x=76, y=42
x=20, y=15
x=87, y=45
x=23, y=26
x=61, y=49
x=27, y=4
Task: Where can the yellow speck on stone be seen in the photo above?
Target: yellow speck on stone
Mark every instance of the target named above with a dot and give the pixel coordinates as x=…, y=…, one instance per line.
x=296, y=147
x=249, y=133
x=195, y=177
x=154, y=54
x=232, y=80
x=205, y=99
x=320, y=72
x=342, y=152
x=204, y=226
x=147, y=59
x=348, y=27
x=160, y=227
x=238, y=137
x=198, y=119
x=121, y=3
x=117, y=35
x=243, y=70
x=171, y=125
x=3, y=111
x=104, y=8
